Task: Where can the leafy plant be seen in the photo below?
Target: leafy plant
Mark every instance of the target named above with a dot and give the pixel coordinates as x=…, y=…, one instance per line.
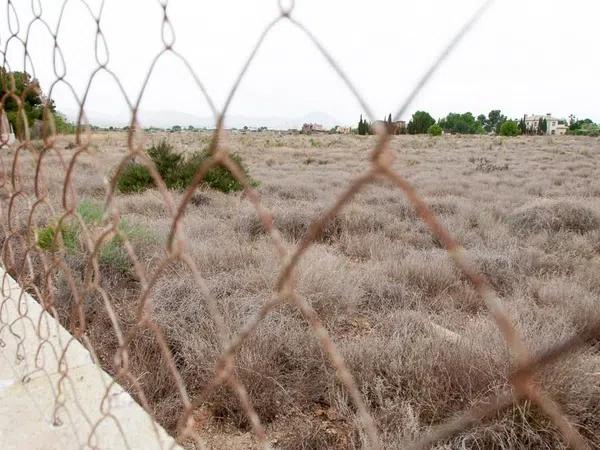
x=91, y=212
x=47, y=238
x=218, y=177
x=178, y=171
x=462, y=123
x=510, y=128
x=420, y=123
x=434, y=130
x=134, y=178
x=167, y=163
x=112, y=253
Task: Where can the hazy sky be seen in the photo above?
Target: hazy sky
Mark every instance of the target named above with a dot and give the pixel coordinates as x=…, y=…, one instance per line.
x=533, y=56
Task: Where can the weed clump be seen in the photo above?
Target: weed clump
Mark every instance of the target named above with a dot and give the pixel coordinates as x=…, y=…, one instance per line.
x=178, y=170
x=554, y=217
x=112, y=253
x=48, y=237
x=134, y=178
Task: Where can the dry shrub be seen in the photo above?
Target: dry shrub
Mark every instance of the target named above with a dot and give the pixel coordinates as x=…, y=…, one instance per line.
x=576, y=302
x=330, y=281
x=554, y=216
x=499, y=268
x=316, y=433
x=407, y=358
x=430, y=272
x=280, y=364
x=294, y=222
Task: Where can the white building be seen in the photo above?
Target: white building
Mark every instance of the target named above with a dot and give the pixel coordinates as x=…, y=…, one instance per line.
x=554, y=125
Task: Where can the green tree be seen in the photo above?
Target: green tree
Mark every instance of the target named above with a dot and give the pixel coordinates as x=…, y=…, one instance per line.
x=482, y=120
x=461, y=124
x=523, y=126
x=420, y=123
x=495, y=121
x=434, y=130
x=361, y=126
x=19, y=88
x=509, y=128
x=575, y=124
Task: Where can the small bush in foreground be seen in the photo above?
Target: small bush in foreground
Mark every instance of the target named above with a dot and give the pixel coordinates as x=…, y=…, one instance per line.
x=178, y=171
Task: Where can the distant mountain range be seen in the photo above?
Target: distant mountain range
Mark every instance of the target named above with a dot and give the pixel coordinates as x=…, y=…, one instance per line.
x=167, y=119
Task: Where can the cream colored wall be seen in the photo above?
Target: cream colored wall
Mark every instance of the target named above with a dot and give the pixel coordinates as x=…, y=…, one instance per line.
x=52, y=395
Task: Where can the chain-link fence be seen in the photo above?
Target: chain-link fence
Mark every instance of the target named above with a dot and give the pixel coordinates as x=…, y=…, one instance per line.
x=35, y=251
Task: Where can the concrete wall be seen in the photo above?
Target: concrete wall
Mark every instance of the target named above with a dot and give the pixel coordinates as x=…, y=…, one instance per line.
x=52, y=395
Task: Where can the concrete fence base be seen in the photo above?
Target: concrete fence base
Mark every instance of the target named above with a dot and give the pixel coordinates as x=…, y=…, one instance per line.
x=52, y=395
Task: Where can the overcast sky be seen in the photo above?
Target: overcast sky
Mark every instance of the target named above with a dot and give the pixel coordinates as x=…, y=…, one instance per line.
x=534, y=56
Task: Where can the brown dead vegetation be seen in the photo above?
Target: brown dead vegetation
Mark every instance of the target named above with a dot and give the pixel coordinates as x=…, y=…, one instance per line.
x=415, y=335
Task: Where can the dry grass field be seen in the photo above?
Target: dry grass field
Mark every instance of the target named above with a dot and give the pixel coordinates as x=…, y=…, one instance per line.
x=414, y=333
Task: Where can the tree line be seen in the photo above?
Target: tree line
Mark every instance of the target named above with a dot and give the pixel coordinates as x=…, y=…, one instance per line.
x=422, y=122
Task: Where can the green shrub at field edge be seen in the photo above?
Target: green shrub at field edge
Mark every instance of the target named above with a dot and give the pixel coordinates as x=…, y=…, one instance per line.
x=178, y=171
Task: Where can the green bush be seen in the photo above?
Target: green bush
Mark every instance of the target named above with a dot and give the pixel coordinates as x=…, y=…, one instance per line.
x=218, y=177
x=134, y=178
x=112, y=253
x=167, y=162
x=91, y=212
x=434, y=130
x=586, y=129
x=510, y=128
x=47, y=238
x=178, y=171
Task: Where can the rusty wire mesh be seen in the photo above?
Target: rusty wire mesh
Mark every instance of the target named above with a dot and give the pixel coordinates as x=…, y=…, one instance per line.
x=21, y=202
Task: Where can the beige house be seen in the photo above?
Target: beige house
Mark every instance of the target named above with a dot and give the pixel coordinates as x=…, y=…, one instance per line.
x=554, y=125
x=7, y=136
x=341, y=130
x=312, y=127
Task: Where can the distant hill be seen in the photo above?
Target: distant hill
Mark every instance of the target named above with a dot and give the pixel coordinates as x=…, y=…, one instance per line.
x=167, y=119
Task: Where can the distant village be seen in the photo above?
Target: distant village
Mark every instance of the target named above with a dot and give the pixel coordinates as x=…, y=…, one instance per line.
x=495, y=123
